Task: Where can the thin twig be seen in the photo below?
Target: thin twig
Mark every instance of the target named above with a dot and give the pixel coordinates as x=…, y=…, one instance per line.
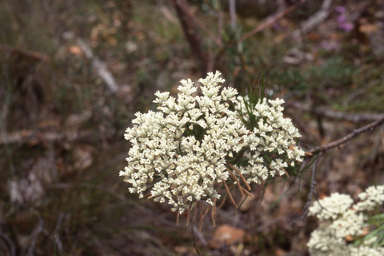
x=194, y=214
x=188, y=213
x=206, y=211
x=246, y=192
x=311, y=192
x=11, y=245
x=269, y=22
x=229, y=193
x=350, y=136
x=213, y=218
x=35, y=235
x=213, y=213
x=223, y=201
x=56, y=232
x=241, y=176
x=200, y=216
x=237, y=182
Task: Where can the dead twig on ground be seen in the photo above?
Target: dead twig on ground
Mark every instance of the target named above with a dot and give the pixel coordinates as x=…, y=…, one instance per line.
x=269, y=21
x=101, y=68
x=32, y=136
x=350, y=136
x=56, y=232
x=314, y=20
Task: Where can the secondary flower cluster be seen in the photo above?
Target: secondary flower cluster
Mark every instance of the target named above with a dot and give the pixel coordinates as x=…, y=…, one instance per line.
x=195, y=144
x=341, y=220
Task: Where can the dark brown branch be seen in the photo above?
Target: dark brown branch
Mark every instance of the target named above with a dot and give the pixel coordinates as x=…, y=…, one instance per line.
x=311, y=192
x=269, y=21
x=184, y=6
x=191, y=34
x=350, y=136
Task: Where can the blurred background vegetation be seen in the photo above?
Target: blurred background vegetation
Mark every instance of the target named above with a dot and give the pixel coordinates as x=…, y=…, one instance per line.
x=73, y=73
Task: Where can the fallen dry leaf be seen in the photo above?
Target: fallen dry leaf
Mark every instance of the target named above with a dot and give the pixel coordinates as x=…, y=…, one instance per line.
x=76, y=50
x=226, y=234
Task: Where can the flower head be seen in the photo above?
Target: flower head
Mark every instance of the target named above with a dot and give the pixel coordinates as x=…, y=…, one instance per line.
x=195, y=144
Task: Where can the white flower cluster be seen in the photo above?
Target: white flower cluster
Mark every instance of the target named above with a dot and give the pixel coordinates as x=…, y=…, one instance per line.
x=331, y=207
x=195, y=143
x=273, y=133
x=342, y=219
x=372, y=197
